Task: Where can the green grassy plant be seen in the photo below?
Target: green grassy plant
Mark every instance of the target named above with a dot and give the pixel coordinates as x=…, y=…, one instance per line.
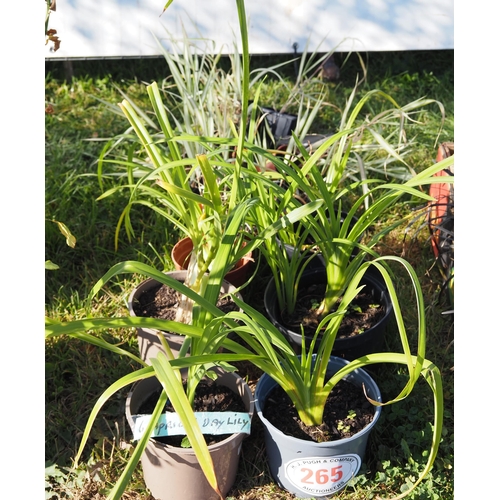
x=334, y=234
x=304, y=380
x=214, y=227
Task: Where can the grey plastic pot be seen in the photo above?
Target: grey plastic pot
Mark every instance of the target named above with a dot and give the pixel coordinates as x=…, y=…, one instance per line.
x=147, y=338
x=306, y=468
x=175, y=473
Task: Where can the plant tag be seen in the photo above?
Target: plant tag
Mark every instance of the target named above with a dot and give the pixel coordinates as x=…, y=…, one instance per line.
x=322, y=476
x=215, y=422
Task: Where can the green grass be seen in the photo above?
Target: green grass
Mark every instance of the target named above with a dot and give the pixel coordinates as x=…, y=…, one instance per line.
x=76, y=374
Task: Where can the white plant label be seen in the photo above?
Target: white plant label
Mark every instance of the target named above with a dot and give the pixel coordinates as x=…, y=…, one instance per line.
x=169, y=424
x=322, y=476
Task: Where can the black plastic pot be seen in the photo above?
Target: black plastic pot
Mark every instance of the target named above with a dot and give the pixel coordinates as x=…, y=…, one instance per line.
x=281, y=124
x=370, y=341
x=147, y=338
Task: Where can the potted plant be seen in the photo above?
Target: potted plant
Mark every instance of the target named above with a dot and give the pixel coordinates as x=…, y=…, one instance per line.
x=180, y=475
x=221, y=218
x=206, y=198
x=237, y=276
x=334, y=229
x=303, y=385
x=214, y=220
x=207, y=217
x=205, y=471
x=167, y=188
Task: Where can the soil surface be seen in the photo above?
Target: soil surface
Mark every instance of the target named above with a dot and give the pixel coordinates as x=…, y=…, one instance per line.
x=364, y=312
x=163, y=301
x=208, y=397
x=347, y=411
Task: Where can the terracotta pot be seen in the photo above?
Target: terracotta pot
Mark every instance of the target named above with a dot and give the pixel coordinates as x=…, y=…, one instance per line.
x=147, y=338
x=441, y=211
x=175, y=473
x=237, y=276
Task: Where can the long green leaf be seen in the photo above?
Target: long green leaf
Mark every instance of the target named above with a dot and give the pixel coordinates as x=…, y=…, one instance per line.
x=175, y=391
x=125, y=477
x=119, y=384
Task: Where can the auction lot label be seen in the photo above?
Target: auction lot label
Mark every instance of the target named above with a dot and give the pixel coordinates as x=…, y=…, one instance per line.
x=322, y=476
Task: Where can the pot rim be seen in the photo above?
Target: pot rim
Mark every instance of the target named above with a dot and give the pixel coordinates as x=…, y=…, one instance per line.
x=187, y=240
x=212, y=447
x=179, y=276
x=326, y=444
x=385, y=299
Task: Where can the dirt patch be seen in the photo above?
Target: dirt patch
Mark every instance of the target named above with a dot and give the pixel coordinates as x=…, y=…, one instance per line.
x=364, y=312
x=163, y=301
x=347, y=412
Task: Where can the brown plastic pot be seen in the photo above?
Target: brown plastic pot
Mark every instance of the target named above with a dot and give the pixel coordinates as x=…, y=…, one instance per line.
x=175, y=473
x=147, y=338
x=237, y=276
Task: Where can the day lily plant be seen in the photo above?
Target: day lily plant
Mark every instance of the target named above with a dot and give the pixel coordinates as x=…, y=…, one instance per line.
x=201, y=194
x=335, y=230
x=205, y=342
x=214, y=218
x=203, y=216
x=305, y=378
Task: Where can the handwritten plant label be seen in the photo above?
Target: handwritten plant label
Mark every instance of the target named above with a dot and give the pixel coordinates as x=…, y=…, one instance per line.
x=322, y=476
x=215, y=422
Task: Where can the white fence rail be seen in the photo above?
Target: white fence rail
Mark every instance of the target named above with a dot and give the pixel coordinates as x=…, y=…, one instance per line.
x=127, y=28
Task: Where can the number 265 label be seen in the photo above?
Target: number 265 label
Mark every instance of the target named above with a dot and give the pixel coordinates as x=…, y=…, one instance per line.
x=322, y=475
